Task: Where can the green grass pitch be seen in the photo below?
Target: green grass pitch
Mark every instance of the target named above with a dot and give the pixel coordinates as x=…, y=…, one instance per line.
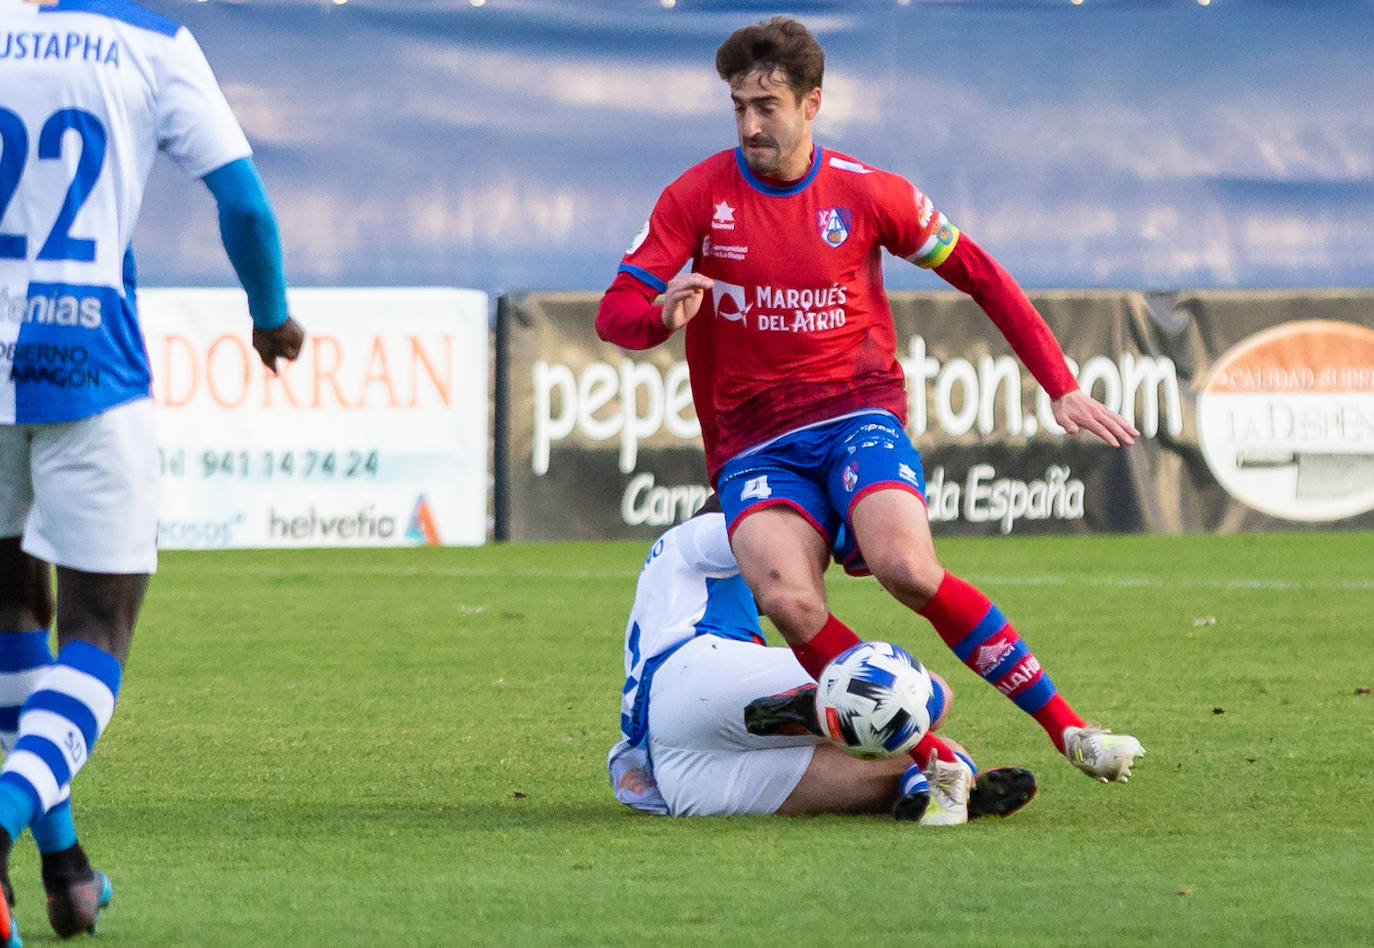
x=407, y=747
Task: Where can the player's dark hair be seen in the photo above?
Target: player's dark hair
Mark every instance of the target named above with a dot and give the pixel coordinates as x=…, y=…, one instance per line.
x=779, y=42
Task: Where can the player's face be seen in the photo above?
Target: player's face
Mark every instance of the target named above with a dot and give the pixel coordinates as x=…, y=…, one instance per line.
x=774, y=126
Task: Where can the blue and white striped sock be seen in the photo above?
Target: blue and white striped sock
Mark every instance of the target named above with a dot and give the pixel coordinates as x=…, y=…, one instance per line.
x=58, y=725
x=913, y=781
x=24, y=658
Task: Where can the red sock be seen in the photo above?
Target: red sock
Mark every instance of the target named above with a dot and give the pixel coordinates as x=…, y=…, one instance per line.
x=1056, y=716
x=931, y=746
x=982, y=638
x=833, y=638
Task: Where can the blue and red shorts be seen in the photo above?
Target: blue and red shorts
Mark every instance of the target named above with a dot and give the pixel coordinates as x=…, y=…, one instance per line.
x=821, y=472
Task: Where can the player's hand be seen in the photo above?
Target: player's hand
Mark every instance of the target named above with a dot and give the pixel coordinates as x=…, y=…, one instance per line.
x=284, y=342
x=1078, y=410
x=682, y=298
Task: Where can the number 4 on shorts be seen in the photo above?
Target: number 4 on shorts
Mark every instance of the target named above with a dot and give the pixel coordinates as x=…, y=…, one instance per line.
x=756, y=488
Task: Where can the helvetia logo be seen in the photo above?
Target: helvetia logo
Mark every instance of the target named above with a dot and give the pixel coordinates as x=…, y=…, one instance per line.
x=1285, y=421
x=421, y=529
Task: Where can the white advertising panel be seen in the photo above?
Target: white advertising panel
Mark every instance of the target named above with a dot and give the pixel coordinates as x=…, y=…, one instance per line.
x=375, y=436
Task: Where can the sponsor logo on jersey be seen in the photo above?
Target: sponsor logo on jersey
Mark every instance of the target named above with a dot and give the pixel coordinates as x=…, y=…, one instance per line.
x=729, y=300
x=71, y=308
x=724, y=217
x=38, y=363
x=709, y=248
x=905, y=472
x=782, y=308
x=640, y=237
x=834, y=225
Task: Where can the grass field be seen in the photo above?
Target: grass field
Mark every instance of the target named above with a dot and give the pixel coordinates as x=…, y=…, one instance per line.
x=407, y=747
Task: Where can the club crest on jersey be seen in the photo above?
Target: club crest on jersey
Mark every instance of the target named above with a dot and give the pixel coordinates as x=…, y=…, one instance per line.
x=834, y=224
x=850, y=476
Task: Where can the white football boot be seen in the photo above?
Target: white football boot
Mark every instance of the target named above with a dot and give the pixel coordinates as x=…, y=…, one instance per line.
x=950, y=783
x=1100, y=754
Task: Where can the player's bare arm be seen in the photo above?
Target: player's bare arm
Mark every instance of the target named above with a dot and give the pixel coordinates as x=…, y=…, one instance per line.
x=284, y=342
x=1079, y=410
x=682, y=299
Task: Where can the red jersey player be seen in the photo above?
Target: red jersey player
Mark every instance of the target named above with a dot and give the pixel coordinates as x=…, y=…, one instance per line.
x=793, y=360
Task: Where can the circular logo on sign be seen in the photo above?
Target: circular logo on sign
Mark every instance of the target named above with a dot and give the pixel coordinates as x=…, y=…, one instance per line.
x=1286, y=421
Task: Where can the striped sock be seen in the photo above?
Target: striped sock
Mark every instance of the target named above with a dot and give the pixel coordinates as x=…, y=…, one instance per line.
x=913, y=781
x=24, y=658
x=985, y=641
x=58, y=725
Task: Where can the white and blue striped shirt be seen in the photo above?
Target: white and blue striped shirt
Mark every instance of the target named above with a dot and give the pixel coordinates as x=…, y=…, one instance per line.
x=90, y=92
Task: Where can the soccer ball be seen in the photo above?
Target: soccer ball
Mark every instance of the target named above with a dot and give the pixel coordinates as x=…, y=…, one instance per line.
x=873, y=700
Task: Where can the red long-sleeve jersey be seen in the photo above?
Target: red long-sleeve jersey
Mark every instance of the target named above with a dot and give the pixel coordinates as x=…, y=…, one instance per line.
x=796, y=328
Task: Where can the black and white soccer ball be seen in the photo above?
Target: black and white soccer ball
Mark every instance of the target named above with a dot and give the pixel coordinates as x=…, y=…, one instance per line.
x=875, y=700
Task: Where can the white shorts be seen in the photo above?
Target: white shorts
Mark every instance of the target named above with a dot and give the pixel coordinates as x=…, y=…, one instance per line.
x=704, y=761
x=83, y=494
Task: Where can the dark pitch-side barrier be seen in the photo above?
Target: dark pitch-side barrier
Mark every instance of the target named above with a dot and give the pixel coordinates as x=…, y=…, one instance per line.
x=1256, y=411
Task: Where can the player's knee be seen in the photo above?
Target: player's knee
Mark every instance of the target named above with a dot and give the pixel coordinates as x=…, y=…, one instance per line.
x=101, y=609
x=793, y=610
x=908, y=574
x=25, y=589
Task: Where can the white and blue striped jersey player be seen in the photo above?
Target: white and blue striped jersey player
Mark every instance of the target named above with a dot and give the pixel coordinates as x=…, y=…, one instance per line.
x=694, y=657
x=90, y=92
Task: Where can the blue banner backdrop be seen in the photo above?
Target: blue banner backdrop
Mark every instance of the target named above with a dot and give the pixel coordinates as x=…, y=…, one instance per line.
x=520, y=144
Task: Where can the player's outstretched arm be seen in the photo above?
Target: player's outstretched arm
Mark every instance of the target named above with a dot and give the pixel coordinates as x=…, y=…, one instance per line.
x=248, y=229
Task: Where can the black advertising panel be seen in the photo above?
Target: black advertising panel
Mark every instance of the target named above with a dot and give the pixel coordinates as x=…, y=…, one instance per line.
x=1256, y=412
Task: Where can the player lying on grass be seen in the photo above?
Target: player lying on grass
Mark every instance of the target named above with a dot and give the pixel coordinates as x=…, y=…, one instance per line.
x=795, y=377
x=695, y=658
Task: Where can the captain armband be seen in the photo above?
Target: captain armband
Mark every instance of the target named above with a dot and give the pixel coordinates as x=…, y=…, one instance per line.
x=938, y=246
